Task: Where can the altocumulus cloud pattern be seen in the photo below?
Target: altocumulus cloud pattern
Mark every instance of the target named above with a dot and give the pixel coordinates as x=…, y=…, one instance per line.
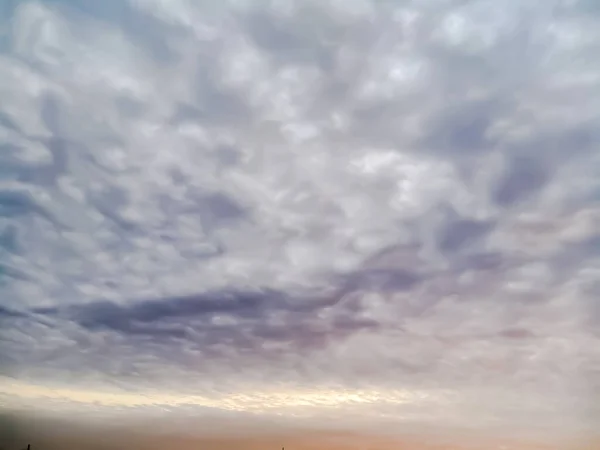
x=312, y=207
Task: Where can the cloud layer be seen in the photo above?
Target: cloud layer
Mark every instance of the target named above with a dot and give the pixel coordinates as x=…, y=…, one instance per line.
x=374, y=198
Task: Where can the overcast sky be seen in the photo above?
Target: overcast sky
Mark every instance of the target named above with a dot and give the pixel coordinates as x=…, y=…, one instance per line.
x=310, y=209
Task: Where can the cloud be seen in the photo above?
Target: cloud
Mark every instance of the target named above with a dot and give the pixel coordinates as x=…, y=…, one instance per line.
x=369, y=197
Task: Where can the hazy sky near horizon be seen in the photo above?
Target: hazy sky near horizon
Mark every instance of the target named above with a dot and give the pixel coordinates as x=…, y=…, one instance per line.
x=302, y=209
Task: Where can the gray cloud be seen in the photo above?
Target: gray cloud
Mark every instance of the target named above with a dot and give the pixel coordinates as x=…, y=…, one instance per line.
x=399, y=196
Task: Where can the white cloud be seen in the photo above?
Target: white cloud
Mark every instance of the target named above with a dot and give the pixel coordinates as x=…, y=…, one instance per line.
x=428, y=165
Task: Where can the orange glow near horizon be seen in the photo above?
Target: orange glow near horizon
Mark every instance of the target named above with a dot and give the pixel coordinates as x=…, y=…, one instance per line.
x=281, y=404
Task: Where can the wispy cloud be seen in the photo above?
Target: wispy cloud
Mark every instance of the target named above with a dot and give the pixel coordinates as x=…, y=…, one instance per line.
x=361, y=196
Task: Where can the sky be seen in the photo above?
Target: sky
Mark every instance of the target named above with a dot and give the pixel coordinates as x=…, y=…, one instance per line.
x=377, y=215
